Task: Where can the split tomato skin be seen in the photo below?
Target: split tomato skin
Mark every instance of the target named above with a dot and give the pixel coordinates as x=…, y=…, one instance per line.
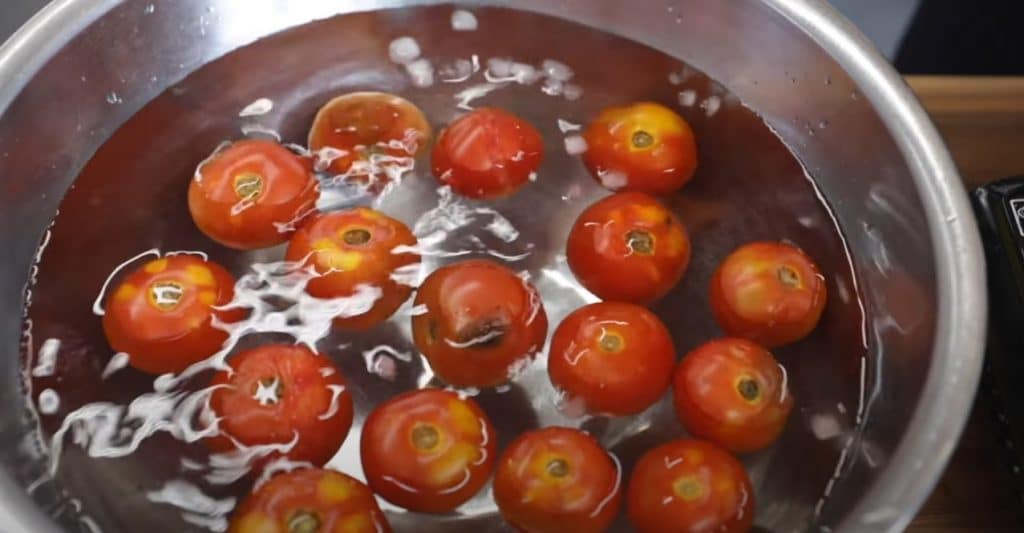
x=487, y=154
x=628, y=247
x=358, y=249
x=480, y=320
x=769, y=292
x=252, y=194
x=617, y=358
x=276, y=394
x=360, y=134
x=310, y=500
x=557, y=479
x=734, y=393
x=689, y=485
x=641, y=147
x=428, y=450
x=165, y=314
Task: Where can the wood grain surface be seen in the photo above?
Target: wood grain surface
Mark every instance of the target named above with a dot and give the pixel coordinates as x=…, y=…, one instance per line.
x=982, y=121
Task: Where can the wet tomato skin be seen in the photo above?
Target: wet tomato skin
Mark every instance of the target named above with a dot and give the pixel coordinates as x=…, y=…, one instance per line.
x=162, y=314
x=689, y=485
x=617, y=358
x=276, y=393
x=428, y=450
x=642, y=147
x=628, y=247
x=769, y=292
x=732, y=392
x=557, y=479
x=252, y=194
x=310, y=500
x=353, y=248
x=480, y=320
x=359, y=125
x=488, y=153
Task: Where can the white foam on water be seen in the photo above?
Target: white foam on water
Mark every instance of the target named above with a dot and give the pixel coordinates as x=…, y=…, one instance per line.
x=565, y=126
x=257, y=108
x=46, y=358
x=197, y=507
x=575, y=145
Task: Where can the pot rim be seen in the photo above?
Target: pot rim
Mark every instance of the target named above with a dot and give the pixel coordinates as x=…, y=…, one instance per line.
x=892, y=501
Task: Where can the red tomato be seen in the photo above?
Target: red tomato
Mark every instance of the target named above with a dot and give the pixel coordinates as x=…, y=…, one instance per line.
x=368, y=131
x=557, y=479
x=252, y=194
x=353, y=248
x=732, y=392
x=278, y=393
x=643, y=147
x=481, y=320
x=689, y=485
x=615, y=357
x=428, y=450
x=310, y=501
x=628, y=247
x=768, y=292
x=162, y=314
x=488, y=153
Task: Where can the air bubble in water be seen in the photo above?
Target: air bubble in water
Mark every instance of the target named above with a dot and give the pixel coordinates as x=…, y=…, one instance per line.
x=403, y=50
x=49, y=402
x=114, y=99
x=687, y=98
x=463, y=20
x=421, y=72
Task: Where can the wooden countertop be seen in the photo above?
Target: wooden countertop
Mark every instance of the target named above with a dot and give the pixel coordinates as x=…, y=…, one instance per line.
x=982, y=121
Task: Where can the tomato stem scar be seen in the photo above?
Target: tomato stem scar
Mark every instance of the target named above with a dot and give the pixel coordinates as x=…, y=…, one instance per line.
x=166, y=295
x=611, y=343
x=788, y=276
x=248, y=185
x=749, y=389
x=688, y=488
x=558, y=468
x=642, y=139
x=303, y=522
x=425, y=437
x=640, y=242
x=356, y=236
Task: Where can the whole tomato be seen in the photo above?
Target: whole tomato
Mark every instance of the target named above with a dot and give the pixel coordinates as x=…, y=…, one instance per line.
x=480, y=320
x=163, y=314
x=557, y=479
x=615, y=357
x=366, y=134
x=310, y=501
x=768, y=292
x=488, y=153
x=689, y=485
x=732, y=392
x=252, y=194
x=353, y=250
x=428, y=450
x=282, y=394
x=643, y=147
x=628, y=247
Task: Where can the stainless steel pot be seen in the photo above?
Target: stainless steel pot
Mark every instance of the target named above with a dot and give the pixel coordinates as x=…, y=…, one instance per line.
x=81, y=68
